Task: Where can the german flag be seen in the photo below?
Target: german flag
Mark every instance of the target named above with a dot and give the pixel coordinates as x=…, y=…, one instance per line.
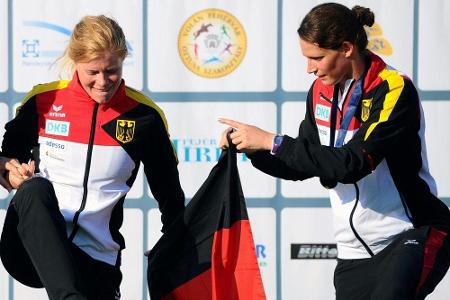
x=208, y=252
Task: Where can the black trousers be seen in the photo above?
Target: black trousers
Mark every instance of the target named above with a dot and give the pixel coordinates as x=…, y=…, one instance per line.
x=35, y=250
x=409, y=268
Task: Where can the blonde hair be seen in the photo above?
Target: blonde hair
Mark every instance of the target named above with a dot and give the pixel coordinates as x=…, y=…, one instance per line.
x=91, y=38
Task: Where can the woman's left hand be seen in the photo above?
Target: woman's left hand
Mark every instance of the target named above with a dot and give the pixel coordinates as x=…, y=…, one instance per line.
x=248, y=138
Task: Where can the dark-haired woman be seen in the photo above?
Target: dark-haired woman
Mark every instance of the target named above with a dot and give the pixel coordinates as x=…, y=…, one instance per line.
x=363, y=136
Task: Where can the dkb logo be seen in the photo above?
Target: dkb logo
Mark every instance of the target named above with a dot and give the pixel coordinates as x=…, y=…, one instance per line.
x=57, y=127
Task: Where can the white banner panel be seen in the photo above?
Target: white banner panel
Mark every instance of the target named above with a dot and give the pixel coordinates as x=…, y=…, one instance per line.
x=133, y=255
x=3, y=193
x=137, y=190
x=438, y=142
x=4, y=276
x=24, y=292
x=154, y=227
x=434, y=42
x=263, y=222
x=3, y=45
x=199, y=45
x=307, y=254
x=442, y=290
x=4, y=117
x=42, y=28
x=393, y=40
x=196, y=137
x=292, y=113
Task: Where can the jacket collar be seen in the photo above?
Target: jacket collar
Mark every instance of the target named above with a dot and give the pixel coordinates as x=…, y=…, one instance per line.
x=76, y=88
x=376, y=66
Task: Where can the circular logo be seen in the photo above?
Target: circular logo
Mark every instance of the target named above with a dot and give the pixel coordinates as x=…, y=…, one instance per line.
x=212, y=43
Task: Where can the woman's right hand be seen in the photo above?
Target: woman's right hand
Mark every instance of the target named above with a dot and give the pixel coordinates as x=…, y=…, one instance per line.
x=4, y=182
x=247, y=138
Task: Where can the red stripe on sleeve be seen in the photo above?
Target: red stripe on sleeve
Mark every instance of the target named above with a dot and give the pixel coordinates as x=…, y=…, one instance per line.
x=432, y=246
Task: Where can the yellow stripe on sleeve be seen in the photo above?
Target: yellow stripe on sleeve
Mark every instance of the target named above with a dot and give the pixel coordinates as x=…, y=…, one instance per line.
x=396, y=84
x=141, y=98
x=42, y=88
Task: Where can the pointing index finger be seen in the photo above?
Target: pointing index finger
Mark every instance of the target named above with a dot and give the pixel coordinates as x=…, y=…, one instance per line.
x=231, y=123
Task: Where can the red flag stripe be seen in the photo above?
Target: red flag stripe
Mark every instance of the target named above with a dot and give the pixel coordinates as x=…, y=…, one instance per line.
x=235, y=271
x=200, y=286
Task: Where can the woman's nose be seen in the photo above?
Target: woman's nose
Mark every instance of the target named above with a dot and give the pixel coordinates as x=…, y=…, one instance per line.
x=311, y=67
x=101, y=79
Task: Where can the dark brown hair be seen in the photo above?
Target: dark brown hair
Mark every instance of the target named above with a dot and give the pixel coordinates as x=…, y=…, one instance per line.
x=330, y=24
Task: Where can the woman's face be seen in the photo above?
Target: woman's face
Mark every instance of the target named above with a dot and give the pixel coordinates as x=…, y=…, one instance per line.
x=330, y=66
x=101, y=77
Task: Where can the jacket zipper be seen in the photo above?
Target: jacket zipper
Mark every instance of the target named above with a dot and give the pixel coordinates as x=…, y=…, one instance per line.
x=353, y=227
x=324, y=97
x=86, y=173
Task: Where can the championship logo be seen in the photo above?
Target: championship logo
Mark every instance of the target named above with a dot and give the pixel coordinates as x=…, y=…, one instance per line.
x=365, y=109
x=212, y=43
x=377, y=43
x=125, y=130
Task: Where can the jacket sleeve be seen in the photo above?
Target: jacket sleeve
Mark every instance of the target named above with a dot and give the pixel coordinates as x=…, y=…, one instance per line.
x=393, y=121
x=160, y=167
x=21, y=133
x=281, y=168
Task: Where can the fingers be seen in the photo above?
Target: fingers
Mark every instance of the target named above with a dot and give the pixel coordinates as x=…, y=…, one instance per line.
x=237, y=130
x=4, y=173
x=232, y=123
x=247, y=138
x=236, y=137
x=14, y=173
x=17, y=169
x=235, y=134
x=15, y=180
x=26, y=170
x=13, y=166
x=17, y=173
x=32, y=167
x=223, y=144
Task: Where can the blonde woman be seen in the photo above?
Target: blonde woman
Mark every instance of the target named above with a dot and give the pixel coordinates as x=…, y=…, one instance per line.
x=73, y=152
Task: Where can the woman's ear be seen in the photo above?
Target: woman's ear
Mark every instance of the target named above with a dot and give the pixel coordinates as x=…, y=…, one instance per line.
x=347, y=49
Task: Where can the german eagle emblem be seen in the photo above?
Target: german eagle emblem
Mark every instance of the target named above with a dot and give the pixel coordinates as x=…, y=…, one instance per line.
x=365, y=109
x=125, y=130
